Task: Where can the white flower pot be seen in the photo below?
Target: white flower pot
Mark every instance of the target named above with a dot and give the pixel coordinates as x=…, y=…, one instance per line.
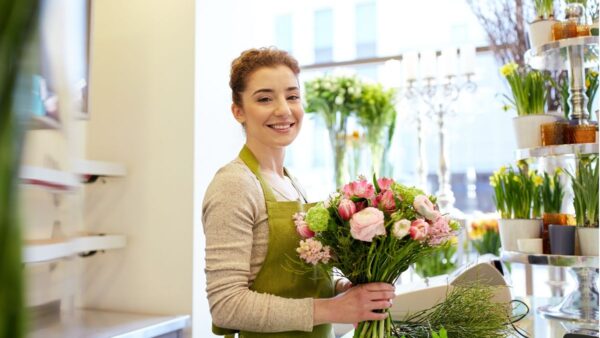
x=513, y=229
x=588, y=241
x=528, y=129
x=540, y=32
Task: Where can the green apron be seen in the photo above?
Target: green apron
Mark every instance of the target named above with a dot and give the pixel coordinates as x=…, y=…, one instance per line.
x=272, y=277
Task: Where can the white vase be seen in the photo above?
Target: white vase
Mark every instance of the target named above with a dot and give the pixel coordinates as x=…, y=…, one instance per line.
x=540, y=32
x=513, y=229
x=588, y=241
x=528, y=129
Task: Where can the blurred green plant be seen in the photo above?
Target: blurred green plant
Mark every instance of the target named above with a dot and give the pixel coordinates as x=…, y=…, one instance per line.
x=585, y=188
x=17, y=19
x=489, y=243
x=440, y=261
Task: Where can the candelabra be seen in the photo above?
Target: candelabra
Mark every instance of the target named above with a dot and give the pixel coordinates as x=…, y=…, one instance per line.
x=438, y=90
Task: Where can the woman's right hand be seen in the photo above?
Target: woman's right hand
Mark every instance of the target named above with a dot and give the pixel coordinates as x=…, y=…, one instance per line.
x=355, y=305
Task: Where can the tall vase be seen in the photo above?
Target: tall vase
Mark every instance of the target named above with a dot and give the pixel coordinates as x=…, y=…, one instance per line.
x=338, y=146
x=379, y=145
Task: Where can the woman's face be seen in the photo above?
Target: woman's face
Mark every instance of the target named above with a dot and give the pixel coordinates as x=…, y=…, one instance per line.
x=271, y=107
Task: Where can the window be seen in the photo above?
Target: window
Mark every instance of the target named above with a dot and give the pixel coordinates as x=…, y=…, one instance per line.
x=283, y=32
x=323, y=35
x=366, y=30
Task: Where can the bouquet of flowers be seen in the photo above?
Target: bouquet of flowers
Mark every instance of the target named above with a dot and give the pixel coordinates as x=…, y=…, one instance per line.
x=372, y=233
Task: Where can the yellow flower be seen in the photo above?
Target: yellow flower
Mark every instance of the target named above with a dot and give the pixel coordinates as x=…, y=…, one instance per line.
x=493, y=181
x=502, y=170
x=355, y=135
x=558, y=171
x=537, y=180
x=587, y=83
x=517, y=179
x=509, y=68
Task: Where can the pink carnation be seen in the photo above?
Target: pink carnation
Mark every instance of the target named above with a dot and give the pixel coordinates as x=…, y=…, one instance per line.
x=385, y=201
x=385, y=183
x=313, y=252
x=424, y=207
x=366, y=224
x=418, y=229
x=439, y=231
x=361, y=189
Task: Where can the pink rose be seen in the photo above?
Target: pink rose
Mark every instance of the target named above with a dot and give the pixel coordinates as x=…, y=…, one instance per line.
x=418, y=229
x=385, y=201
x=366, y=224
x=346, y=209
x=361, y=189
x=401, y=228
x=385, y=183
x=423, y=206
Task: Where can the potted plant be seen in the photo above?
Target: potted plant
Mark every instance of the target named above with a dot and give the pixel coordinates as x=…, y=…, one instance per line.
x=552, y=193
x=529, y=94
x=585, y=190
x=334, y=98
x=514, y=194
x=540, y=30
x=377, y=114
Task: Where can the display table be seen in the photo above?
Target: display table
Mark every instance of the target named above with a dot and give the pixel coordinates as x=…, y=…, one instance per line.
x=537, y=324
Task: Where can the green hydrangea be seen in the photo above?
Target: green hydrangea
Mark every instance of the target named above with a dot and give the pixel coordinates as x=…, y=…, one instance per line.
x=317, y=218
x=408, y=193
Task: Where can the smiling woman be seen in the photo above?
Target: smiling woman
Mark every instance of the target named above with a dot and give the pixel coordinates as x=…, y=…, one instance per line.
x=247, y=216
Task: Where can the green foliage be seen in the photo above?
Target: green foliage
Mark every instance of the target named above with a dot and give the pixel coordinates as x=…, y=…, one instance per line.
x=528, y=88
x=585, y=189
x=517, y=193
x=440, y=261
x=552, y=192
x=591, y=87
x=17, y=19
x=544, y=8
x=467, y=311
x=489, y=243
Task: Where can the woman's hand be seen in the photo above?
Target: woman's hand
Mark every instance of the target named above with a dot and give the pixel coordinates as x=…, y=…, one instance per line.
x=355, y=305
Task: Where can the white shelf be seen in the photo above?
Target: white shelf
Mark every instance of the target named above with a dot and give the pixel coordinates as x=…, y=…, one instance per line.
x=48, y=178
x=558, y=150
x=49, y=250
x=98, y=168
x=43, y=122
x=95, y=323
x=552, y=55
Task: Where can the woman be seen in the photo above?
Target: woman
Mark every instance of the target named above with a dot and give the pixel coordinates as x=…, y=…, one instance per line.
x=247, y=217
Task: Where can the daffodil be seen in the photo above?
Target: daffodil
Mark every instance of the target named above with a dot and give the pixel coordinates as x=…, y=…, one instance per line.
x=537, y=180
x=509, y=69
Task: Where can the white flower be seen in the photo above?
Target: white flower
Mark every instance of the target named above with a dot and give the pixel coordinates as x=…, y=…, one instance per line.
x=401, y=228
x=339, y=100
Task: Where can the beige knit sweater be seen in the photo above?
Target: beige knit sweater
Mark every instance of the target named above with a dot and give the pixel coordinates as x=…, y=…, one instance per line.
x=237, y=233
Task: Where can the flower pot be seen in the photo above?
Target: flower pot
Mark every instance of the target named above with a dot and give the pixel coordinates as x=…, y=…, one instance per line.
x=540, y=32
x=553, y=133
x=551, y=218
x=513, y=229
x=562, y=239
x=581, y=133
x=588, y=241
x=528, y=129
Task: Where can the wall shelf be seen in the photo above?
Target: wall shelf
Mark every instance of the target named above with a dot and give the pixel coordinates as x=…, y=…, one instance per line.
x=91, y=170
x=43, y=122
x=36, y=251
x=95, y=323
x=51, y=179
x=557, y=150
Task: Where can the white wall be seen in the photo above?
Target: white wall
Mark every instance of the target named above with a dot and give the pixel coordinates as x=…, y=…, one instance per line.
x=142, y=114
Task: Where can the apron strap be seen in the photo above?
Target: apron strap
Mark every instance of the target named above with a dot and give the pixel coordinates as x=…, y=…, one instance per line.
x=250, y=160
x=296, y=185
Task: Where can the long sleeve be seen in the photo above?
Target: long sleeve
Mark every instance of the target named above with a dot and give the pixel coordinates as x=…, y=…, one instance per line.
x=236, y=229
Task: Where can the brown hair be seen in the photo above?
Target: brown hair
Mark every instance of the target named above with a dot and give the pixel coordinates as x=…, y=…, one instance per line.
x=251, y=60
